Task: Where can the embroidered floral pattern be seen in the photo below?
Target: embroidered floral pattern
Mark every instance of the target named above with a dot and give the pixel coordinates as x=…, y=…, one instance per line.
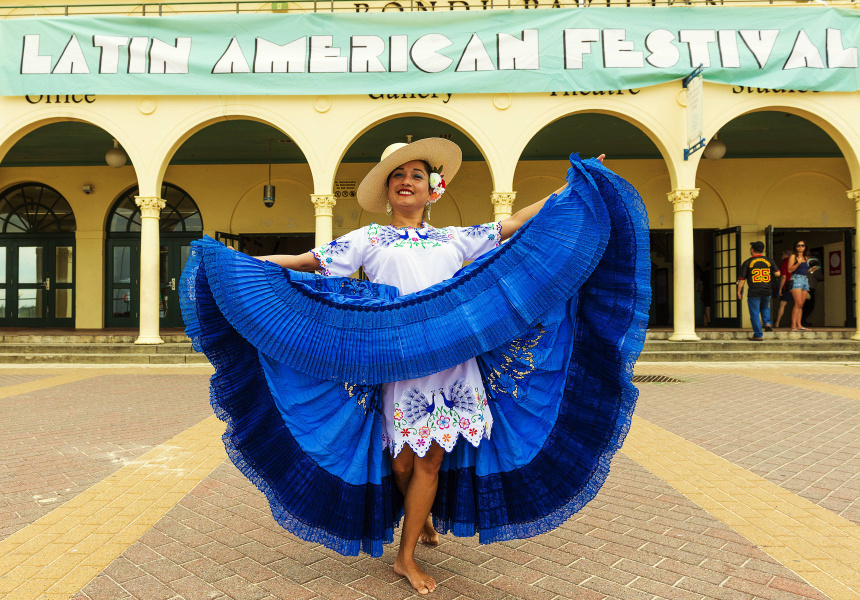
x=490, y=231
x=440, y=415
x=404, y=237
x=358, y=287
x=337, y=247
x=326, y=254
x=366, y=397
x=323, y=261
x=517, y=363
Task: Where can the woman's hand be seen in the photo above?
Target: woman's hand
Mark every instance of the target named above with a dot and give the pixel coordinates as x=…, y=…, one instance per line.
x=515, y=221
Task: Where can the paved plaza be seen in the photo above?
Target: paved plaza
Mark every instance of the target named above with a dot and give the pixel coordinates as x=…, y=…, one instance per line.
x=736, y=481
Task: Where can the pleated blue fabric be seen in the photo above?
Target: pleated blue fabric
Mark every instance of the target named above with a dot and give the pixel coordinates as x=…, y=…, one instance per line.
x=556, y=318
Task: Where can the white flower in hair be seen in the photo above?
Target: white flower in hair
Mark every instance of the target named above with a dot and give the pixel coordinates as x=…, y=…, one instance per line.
x=437, y=184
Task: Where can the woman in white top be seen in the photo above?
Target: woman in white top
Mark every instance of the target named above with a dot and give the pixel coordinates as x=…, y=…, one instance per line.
x=423, y=417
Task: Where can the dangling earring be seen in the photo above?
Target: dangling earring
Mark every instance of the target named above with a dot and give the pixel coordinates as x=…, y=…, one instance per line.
x=388, y=210
x=427, y=208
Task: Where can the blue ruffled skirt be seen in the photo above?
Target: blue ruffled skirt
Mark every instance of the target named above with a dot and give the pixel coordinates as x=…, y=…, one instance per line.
x=556, y=318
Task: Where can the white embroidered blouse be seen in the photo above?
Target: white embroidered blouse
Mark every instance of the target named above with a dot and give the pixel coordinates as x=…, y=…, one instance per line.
x=442, y=406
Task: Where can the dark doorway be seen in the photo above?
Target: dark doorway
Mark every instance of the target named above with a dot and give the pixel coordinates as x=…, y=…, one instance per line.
x=37, y=258
x=831, y=303
x=180, y=224
x=725, y=261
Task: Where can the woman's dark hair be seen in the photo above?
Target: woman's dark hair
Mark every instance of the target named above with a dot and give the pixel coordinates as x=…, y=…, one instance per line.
x=426, y=166
x=805, y=248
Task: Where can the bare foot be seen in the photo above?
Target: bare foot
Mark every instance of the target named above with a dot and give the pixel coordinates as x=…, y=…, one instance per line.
x=429, y=535
x=421, y=581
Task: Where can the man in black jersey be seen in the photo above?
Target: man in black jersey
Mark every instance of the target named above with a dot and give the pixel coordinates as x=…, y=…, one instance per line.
x=761, y=273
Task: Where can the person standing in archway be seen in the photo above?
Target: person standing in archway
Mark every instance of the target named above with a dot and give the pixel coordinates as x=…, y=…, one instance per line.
x=761, y=274
x=798, y=267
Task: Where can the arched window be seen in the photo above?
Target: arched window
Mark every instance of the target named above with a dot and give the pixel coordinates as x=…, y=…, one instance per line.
x=180, y=213
x=35, y=208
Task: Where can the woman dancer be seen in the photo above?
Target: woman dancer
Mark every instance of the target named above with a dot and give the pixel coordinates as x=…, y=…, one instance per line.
x=798, y=267
x=423, y=414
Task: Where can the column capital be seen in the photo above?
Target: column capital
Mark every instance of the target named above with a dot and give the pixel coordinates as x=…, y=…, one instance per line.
x=503, y=204
x=323, y=204
x=683, y=199
x=503, y=201
x=855, y=195
x=150, y=206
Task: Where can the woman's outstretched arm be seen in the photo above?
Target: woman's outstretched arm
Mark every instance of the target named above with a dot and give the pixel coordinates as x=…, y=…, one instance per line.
x=306, y=262
x=518, y=219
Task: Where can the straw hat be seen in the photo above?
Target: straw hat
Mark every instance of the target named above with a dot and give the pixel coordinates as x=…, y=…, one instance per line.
x=373, y=191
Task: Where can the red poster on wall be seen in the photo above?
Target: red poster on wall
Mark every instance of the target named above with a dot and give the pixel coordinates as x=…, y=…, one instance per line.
x=835, y=262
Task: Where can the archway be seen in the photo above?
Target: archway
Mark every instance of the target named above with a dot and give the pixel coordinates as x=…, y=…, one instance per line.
x=69, y=158
x=225, y=166
x=783, y=178
x=37, y=265
x=631, y=153
x=180, y=224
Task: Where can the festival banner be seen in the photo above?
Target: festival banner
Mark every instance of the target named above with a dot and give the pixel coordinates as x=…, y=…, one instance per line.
x=492, y=51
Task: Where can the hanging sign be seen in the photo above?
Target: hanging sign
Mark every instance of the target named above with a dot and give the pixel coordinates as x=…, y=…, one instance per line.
x=450, y=52
x=695, y=110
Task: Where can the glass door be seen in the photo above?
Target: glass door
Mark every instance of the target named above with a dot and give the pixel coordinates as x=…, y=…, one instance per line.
x=726, y=259
x=123, y=276
x=4, y=283
x=63, y=287
x=32, y=283
x=37, y=283
x=849, y=237
x=123, y=280
x=174, y=254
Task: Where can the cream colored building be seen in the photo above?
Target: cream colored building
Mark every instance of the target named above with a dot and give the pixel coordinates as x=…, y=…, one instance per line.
x=87, y=245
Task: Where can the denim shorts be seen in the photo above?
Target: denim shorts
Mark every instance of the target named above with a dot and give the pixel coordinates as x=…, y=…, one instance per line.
x=799, y=282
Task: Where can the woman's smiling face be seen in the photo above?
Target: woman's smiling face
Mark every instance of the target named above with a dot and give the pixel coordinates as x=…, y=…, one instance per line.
x=408, y=186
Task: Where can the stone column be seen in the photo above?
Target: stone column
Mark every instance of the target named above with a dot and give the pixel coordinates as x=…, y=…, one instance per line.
x=855, y=196
x=684, y=266
x=150, y=210
x=503, y=204
x=324, y=211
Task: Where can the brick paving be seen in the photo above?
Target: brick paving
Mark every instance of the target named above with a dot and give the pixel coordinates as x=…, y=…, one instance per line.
x=639, y=539
x=16, y=378
x=805, y=441
x=61, y=440
x=848, y=380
